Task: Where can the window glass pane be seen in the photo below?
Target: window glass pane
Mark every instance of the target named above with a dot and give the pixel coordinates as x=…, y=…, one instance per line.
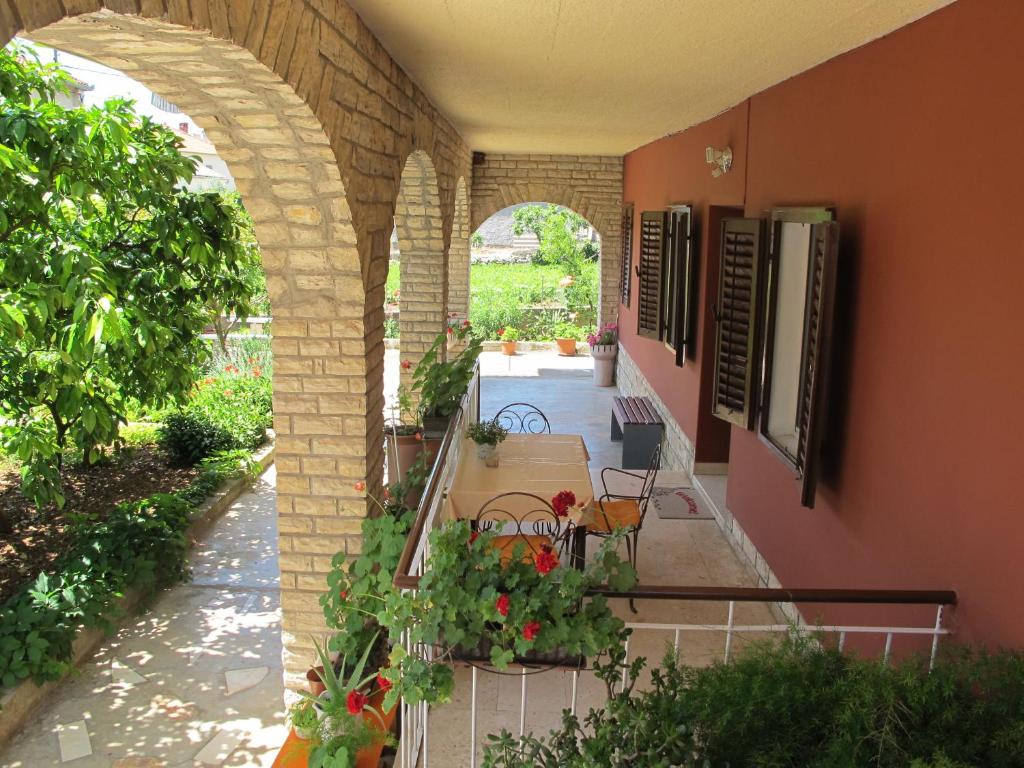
x=790, y=306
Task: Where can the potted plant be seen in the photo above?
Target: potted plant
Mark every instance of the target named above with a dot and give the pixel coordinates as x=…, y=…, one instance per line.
x=304, y=718
x=353, y=724
x=442, y=383
x=472, y=603
x=603, y=348
x=509, y=337
x=566, y=336
x=487, y=435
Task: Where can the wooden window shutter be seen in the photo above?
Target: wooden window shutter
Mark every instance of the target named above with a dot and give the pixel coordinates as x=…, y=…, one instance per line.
x=736, y=320
x=816, y=358
x=627, y=253
x=653, y=225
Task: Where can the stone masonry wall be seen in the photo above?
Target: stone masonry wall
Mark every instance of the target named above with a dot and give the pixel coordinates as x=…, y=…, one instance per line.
x=590, y=185
x=316, y=122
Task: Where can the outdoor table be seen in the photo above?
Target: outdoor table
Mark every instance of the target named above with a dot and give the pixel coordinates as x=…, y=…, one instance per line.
x=539, y=464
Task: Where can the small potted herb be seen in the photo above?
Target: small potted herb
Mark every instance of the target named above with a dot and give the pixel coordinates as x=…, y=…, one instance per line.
x=305, y=719
x=566, y=336
x=509, y=337
x=487, y=435
x=603, y=348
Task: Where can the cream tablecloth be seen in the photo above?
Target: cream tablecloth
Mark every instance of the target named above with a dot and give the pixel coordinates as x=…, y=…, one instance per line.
x=539, y=464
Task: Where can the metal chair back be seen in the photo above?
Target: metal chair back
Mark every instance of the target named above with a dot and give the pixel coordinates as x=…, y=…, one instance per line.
x=523, y=418
x=525, y=514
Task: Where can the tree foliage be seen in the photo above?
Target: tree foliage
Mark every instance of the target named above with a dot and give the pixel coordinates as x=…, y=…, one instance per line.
x=108, y=270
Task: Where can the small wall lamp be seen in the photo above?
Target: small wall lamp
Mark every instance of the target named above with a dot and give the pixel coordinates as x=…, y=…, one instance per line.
x=720, y=158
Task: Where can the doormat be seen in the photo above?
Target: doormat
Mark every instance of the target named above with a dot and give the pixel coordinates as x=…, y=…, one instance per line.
x=680, y=504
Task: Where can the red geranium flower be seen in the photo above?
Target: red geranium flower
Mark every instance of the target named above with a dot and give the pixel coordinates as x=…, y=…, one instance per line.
x=473, y=537
x=545, y=561
x=501, y=331
x=343, y=594
x=383, y=683
x=531, y=630
x=562, y=501
x=465, y=323
x=502, y=605
x=355, y=702
x=406, y=365
x=360, y=486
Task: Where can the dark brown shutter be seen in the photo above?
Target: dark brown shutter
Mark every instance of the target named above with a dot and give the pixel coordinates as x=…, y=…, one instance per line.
x=736, y=315
x=686, y=269
x=652, y=246
x=627, y=253
x=815, y=362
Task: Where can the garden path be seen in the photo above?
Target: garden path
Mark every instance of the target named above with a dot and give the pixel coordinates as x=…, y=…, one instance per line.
x=196, y=680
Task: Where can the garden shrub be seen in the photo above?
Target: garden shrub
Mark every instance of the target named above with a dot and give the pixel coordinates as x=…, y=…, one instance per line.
x=141, y=545
x=229, y=411
x=798, y=704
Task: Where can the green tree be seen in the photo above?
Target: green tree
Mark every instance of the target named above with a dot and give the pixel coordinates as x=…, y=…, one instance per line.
x=534, y=217
x=108, y=268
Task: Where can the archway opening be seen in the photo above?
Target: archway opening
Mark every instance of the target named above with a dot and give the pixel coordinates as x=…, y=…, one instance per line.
x=535, y=274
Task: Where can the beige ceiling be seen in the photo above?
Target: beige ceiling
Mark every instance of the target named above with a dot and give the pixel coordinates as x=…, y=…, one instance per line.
x=606, y=76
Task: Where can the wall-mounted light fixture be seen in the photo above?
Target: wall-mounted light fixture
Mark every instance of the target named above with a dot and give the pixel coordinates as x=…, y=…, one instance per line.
x=720, y=158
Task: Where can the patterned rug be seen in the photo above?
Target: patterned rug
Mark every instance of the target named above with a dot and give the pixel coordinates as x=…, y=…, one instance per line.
x=680, y=504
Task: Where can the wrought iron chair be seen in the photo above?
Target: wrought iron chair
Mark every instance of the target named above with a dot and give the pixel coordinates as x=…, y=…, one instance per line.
x=523, y=418
x=537, y=528
x=625, y=512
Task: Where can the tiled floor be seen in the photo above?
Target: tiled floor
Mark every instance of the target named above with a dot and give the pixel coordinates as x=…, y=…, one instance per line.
x=195, y=681
x=681, y=552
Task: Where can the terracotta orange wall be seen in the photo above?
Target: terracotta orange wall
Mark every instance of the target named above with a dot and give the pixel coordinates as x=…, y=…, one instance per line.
x=916, y=141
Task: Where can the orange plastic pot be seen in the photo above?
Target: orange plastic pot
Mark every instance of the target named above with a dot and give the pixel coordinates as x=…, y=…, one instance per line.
x=566, y=347
x=295, y=751
x=508, y=348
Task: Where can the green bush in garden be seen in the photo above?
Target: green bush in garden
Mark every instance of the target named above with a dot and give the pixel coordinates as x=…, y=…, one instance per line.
x=797, y=704
x=229, y=411
x=140, y=545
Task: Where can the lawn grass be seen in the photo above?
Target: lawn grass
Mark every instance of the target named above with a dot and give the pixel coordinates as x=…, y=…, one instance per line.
x=523, y=296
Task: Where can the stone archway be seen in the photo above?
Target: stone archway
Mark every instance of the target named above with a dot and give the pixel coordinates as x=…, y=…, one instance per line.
x=589, y=185
x=458, y=255
x=423, y=299
x=288, y=178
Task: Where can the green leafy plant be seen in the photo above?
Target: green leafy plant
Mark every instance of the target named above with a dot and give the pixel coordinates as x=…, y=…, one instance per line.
x=509, y=334
x=476, y=240
x=486, y=432
x=108, y=269
x=303, y=716
x=442, y=383
x=141, y=545
x=228, y=411
x=566, y=330
x=469, y=598
x=798, y=703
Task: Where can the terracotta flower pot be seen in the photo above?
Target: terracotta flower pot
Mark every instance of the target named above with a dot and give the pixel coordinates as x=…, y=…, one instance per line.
x=508, y=348
x=566, y=347
x=314, y=681
x=369, y=757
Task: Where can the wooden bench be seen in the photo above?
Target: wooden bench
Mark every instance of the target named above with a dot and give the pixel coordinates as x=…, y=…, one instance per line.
x=637, y=424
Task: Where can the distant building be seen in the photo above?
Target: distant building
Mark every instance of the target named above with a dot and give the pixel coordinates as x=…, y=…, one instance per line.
x=212, y=172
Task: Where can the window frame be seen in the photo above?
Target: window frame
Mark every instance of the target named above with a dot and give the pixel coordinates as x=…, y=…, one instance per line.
x=810, y=433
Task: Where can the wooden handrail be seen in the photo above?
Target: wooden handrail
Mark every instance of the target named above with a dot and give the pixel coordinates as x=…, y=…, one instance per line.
x=782, y=595
x=403, y=580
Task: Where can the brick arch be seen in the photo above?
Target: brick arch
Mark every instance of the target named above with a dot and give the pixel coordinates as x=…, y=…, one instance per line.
x=288, y=178
x=458, y=254
x=589, y=185
x=418, y=221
